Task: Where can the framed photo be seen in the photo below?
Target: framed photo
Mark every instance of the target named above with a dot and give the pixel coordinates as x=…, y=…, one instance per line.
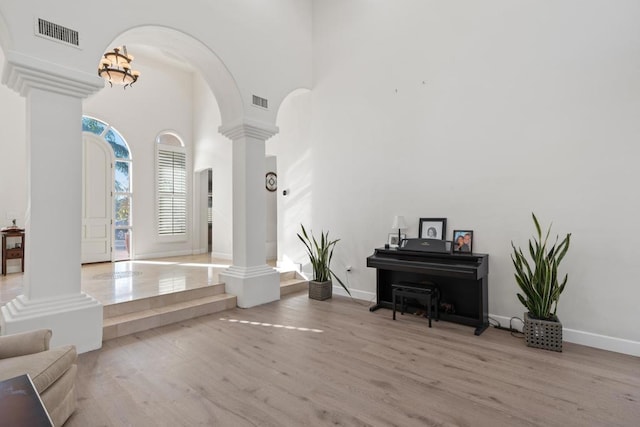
x=393, y=239
x=462, y=240
x=432, y=228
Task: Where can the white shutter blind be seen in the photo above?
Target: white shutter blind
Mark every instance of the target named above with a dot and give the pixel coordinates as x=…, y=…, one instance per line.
x=172, y=192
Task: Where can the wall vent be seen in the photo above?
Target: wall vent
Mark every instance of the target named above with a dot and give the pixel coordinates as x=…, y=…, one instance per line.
x=260, y=102
x=56, y=32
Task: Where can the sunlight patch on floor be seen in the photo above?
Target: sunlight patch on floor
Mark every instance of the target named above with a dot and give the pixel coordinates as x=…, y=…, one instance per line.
x=193, y=264
x=277, y=326
x=152, y=262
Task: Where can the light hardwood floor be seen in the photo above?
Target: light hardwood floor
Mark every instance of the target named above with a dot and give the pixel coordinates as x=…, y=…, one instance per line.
x=299, y=362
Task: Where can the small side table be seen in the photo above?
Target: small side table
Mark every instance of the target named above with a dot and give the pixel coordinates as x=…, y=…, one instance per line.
x=12, y=253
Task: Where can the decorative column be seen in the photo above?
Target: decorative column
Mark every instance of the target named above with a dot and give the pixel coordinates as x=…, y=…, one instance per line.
x=250, y=279
x=52, y=297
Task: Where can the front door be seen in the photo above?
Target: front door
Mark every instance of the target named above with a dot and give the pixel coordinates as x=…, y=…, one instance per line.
x=96, y=199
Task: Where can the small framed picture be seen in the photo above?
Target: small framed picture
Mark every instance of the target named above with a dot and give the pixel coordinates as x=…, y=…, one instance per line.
x=462, y=240
x=393, y=239
x=432, y=228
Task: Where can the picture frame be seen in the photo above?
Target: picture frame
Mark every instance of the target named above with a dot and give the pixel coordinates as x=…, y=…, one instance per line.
x=392, y=240
x=432, y=228
x=463, y=241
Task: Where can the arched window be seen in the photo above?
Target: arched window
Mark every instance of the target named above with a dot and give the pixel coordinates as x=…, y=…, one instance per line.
x=122, y=190
x=171, y=181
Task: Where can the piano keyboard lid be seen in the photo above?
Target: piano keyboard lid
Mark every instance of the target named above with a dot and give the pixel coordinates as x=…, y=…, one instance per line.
x=426, y=245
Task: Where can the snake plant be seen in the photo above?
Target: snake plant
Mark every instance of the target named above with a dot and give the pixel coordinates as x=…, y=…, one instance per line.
x=538, y=278
x=320, y=253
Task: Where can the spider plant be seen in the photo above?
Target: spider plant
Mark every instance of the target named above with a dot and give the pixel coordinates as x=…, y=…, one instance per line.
x=320, y=253
x=538, y=278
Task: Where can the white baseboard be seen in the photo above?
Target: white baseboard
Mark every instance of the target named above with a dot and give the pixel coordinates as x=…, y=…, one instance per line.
x=222, y=255
x=604, y=342
x=356, y=294
x=164, y=254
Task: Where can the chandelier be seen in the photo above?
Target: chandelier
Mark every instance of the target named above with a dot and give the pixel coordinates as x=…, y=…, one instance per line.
x=115, y=67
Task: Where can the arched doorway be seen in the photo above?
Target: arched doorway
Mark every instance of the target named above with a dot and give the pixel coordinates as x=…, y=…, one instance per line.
x=106, y=193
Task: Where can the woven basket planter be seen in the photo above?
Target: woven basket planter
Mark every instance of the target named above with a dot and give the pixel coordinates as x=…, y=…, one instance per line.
x=320, y=290
x=543, y=334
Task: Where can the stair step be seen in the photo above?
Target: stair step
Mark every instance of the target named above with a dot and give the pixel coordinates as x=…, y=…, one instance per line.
x=290, y=286
x=288, y=275
x=139, y=315
x=158, y=301
x=129, y=323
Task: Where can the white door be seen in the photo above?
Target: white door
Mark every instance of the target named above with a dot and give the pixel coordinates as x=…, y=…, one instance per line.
x=97, y=181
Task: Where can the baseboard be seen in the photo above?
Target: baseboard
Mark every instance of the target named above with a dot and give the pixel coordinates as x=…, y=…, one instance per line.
x=355, y=294
x=222, y=255
x=604, y=342
x=164, y=254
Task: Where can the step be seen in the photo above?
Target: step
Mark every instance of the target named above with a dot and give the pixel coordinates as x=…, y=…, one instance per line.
x=132, y=322
x=158, y=301
x=292, y=282
x=139, y=315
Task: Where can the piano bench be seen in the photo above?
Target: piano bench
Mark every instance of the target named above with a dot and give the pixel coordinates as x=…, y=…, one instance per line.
x=426, y=294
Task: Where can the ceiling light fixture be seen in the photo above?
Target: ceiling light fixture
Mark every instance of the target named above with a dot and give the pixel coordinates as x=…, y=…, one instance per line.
x=115, y=67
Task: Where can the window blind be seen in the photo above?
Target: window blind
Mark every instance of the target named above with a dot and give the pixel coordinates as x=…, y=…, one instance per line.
x=172, y=192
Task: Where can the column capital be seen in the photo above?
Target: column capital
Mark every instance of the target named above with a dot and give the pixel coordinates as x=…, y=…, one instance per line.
x=248, y=128
x=22, y=73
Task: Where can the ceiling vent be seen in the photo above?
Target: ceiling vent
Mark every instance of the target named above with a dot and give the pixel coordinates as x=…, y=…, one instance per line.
x=260, y=102
x=51, y=31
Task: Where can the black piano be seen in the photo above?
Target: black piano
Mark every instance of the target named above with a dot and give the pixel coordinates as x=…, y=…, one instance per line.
x=461, y=277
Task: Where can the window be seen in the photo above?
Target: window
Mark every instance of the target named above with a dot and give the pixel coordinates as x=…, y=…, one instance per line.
x=172, y=186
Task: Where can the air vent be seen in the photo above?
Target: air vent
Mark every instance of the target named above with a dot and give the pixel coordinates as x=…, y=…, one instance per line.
x=260, y=102
x=57, y=32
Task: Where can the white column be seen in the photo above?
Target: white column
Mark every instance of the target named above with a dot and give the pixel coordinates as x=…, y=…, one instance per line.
x=52, y=297
x=250, y=278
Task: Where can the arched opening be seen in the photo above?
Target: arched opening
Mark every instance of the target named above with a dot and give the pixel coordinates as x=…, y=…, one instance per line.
x=107, y=196
x=184, y=87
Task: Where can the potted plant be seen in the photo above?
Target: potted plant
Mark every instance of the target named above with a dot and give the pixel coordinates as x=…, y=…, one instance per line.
x=541, y=288
x=320, y=253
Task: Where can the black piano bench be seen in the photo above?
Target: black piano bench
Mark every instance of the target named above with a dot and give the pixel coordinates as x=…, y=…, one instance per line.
x=427, y=294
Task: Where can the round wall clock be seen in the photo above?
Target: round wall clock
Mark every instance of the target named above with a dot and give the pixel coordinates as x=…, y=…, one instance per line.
x=271, y=181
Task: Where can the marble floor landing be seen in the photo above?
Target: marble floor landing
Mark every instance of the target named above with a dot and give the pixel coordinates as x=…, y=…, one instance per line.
x=122, y=281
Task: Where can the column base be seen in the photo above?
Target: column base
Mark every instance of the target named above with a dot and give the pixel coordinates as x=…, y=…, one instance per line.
x=252, y=285
x=74, y=319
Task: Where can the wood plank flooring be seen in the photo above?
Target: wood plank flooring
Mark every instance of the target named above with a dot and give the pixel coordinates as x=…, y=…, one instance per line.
x=299, y=362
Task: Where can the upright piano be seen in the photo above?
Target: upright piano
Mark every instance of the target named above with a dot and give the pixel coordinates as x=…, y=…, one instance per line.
x=461, y=277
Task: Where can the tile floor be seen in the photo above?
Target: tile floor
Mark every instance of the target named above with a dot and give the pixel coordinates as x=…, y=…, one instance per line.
x=123, y=281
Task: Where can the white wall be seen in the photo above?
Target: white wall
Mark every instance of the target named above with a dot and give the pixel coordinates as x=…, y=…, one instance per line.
x=271, y=212
x=160, y=100
x=293, y=148
x=480, y=112
x=213, y=150
x=13, y=186
x=13, y=160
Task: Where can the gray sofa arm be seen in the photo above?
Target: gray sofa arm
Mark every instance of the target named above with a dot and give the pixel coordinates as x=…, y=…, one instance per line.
x=24, y=343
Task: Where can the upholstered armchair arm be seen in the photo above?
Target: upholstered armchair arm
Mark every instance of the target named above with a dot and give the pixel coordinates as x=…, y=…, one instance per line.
x=24, y=343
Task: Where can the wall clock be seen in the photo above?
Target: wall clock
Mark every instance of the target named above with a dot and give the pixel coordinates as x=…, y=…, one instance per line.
x=271, y=181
